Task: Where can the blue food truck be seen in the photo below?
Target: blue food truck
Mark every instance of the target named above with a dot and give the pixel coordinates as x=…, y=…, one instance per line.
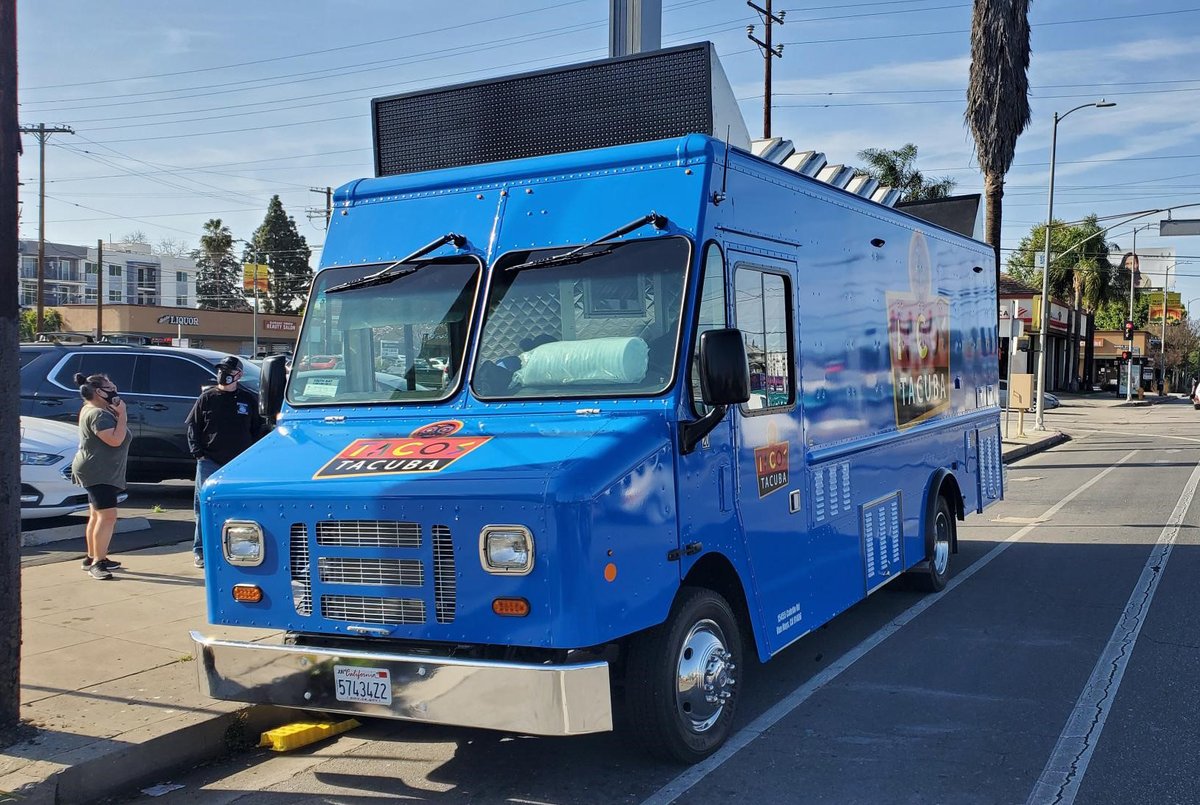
x=591, y=407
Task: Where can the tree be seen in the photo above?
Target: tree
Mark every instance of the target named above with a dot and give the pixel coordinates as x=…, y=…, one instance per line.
x=1113, y=314
x=136, y=236
x=172, y=247
x=896, y=168
x=1079, y=263
x=52, y=322
x=998, y=96
x=1182, y=353
x=278, y=240
x=218, y=274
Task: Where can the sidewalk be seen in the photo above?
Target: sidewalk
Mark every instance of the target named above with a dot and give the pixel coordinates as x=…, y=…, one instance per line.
x=109, y=680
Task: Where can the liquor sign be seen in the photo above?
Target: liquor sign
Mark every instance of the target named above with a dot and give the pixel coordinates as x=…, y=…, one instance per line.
x=179, y=321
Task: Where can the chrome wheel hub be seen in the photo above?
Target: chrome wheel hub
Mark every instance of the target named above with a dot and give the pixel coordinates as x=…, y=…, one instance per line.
x=704, y=678
x=941, y=544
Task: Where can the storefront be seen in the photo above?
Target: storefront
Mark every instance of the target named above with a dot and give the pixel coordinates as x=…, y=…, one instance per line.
x=1110, y=367
x=1066, y=335
x=221, y=330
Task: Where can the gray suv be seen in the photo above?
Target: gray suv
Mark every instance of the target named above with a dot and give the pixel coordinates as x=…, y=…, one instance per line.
x=159, y=384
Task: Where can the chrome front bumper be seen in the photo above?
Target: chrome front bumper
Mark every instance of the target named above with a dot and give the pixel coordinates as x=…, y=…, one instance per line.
x=514, y=697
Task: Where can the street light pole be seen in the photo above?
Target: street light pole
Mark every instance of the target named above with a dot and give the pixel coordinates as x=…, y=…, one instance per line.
x=1044, y=323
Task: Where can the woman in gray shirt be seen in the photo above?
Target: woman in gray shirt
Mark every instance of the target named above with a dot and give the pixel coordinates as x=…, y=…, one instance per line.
x=99, y=466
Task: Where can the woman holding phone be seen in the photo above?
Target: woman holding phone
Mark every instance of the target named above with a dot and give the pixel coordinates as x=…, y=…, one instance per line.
x=99, y=466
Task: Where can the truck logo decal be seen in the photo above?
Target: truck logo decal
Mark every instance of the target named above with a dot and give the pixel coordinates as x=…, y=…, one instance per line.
x=430, y=448
x=771, y=466
x=919, y=339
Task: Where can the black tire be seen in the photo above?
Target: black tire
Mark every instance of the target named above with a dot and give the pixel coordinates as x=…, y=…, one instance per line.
x=672, y=670
x=940, y=534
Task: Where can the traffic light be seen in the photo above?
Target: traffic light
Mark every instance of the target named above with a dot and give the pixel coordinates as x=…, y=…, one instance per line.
x=1128, y=331
x=1126, y=355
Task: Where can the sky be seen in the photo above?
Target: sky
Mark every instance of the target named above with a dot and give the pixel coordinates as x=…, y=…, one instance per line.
x=186, y=111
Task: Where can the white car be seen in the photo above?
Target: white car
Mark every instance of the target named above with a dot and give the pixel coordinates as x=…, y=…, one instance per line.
x=47, y=449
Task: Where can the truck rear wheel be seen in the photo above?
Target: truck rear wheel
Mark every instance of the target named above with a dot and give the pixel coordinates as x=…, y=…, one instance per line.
x=939, y=541
x=681, y=678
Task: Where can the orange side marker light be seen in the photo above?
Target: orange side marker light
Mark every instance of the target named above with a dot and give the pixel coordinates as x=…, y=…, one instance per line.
x=247, y=593
x=511, y=607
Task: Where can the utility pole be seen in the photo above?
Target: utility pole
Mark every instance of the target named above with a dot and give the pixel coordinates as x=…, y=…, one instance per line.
x=769, y=19
x=10, y=504
x=327, y=212
x=42, y=132
x=99, y=289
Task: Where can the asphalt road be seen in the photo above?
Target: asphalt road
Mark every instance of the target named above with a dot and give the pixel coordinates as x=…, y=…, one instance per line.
x=1059, y=666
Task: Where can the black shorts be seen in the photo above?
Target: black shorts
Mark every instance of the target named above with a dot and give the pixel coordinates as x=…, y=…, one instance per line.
x=103, y=496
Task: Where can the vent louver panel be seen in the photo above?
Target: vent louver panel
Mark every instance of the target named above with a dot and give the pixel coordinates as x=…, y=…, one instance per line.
x=445, y=583
x=402, y=572
x=373, y=609
x=369, y=533
x=298, y=561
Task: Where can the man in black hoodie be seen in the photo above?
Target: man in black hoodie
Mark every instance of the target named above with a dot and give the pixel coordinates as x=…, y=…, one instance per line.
x=223, y=422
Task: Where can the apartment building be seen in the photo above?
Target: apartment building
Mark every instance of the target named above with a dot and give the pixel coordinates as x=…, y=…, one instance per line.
x=132, y=275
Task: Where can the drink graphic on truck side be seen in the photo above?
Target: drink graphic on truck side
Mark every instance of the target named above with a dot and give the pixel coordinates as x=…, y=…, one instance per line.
x=690, y=406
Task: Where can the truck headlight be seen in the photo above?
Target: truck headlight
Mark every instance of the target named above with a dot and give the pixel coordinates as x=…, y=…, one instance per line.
x=506, y=549
x=243, y=542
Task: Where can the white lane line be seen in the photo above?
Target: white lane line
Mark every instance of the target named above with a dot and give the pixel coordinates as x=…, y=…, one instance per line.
x=1064, y=771
x=742, y=738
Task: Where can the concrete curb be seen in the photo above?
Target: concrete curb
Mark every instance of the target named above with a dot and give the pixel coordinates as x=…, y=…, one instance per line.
x=44, y=536
x=1021, y=451
x=118, y=767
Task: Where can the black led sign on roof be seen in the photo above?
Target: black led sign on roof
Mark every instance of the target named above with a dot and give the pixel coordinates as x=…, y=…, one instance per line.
x=647, y=96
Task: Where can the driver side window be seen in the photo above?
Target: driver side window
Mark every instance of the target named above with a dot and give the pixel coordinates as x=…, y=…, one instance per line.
x=711, y=315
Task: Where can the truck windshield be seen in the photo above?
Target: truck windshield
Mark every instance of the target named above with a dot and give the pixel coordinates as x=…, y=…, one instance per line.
x=607, y=326
x=399, y=341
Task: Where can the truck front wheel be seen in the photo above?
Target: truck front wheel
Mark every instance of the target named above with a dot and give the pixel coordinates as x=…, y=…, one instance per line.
x=682, y=678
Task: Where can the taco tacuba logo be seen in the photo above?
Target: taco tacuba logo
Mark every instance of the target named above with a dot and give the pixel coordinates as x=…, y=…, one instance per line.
x=429, y=448
x=919, y=335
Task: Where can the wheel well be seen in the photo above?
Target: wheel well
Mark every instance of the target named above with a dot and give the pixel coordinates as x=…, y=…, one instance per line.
x=715, y=572
x=950, y=490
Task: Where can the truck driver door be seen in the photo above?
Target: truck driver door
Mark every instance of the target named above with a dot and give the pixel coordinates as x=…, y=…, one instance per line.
x=769, y=444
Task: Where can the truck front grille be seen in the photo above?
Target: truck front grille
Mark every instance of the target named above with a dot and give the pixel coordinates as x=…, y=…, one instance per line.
x=401, y=572
x=429, y=561
x=373, y=609
x=369, y=533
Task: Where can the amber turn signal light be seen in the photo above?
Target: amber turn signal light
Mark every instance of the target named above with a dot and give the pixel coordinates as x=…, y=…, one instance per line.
x=247, y=593
x=511, y=607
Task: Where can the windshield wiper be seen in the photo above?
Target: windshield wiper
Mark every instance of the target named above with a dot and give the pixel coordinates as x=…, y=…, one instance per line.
x=386, y=274
x=579, y=254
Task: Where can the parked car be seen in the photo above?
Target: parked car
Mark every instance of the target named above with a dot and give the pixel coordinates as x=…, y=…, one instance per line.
x=1050, y=400
x=47, y=449
x=159, y=384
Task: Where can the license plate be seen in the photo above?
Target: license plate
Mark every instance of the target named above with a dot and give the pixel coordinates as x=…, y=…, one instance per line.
x=353, y=683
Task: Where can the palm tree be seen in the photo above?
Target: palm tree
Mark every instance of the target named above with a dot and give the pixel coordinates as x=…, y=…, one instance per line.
x=998, y=96
x=896, y=168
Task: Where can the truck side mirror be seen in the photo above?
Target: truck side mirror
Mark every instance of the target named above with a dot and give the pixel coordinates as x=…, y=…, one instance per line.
x=724, y=368
x=270, y=397
x=724, y=381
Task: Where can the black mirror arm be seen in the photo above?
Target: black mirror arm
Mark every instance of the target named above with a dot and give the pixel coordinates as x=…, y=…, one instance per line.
x=690, y=433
